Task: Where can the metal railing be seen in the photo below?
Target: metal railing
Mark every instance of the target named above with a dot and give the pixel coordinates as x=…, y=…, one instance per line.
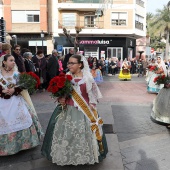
x=79, y=1
x=82, y=24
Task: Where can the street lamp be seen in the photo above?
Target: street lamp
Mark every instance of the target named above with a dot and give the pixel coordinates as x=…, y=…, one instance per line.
x=15, y=38
x=42, y=37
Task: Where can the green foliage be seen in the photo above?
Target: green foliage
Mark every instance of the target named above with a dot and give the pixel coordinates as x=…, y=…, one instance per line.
x=157, y=26
x=27, y=82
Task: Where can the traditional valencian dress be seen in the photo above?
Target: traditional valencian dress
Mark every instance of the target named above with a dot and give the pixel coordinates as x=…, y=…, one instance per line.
x=125, y=71
x=19, y=125
x=161, y=107
x=70, y=139
x=149, y=73
x=152, y=86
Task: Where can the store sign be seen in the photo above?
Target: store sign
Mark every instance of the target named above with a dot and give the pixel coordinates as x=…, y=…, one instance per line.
x=94, y=42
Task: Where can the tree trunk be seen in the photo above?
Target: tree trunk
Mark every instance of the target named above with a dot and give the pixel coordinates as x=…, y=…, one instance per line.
x=167, y=46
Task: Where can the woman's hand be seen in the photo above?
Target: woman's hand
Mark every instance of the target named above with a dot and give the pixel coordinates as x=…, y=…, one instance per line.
x=9, y=91
x=6, y=91
x=62, y=101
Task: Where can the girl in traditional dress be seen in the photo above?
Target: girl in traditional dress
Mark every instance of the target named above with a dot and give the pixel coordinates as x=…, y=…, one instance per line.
x=70, y=137
x=161, y=69
x=125, y=71
x=97, y=75
x=149, y=73
x=19, y=125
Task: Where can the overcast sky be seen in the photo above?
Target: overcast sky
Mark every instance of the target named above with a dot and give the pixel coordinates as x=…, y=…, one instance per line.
x=152, y=5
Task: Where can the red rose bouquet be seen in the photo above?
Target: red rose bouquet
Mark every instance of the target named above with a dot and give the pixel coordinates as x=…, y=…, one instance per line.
x=61, y=86
x=153, y=68
x=162, y=79
x=29, y=81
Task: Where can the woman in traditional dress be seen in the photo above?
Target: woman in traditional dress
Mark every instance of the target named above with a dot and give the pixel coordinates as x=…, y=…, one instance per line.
x=125, y=71
x=161, y=106
x=149, y=72
x=70, y=137
x=161, y=69
x=19, y=125
x=97, y=75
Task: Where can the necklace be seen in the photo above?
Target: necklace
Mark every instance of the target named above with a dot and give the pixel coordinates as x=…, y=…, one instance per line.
x=7, y=71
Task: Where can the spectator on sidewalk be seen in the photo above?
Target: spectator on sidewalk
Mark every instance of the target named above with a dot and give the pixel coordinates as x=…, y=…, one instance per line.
x=41, y=68
x=66, y=58
x=144, y=65
x=29, y=66
x=53, y=65
x=19, y=60
x=6, y=49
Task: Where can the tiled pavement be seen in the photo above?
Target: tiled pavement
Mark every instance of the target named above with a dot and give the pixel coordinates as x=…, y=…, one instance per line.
x=138, y=143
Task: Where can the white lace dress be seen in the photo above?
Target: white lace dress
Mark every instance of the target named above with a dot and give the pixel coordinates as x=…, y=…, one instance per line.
x=161, y=106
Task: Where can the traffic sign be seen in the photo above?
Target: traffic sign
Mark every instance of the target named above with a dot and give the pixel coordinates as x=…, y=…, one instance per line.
x=59, y=48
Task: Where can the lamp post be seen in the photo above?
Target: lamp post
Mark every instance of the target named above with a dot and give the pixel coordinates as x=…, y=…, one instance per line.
x=15, y=38
x=42, y=37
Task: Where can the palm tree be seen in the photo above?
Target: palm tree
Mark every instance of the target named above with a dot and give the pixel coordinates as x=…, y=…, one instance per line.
x=161, y=25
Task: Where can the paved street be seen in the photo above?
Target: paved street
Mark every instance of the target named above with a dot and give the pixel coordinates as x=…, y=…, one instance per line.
x=134, y=141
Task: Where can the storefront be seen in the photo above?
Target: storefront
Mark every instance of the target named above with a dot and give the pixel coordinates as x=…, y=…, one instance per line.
x=120, y=47
x=33, y=42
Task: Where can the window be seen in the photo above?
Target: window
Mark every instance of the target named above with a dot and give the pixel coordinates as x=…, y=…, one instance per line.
x=115, y=52
x=119, y=18
x=89, y=21
x=69, y=19
x=139, y=22
x=32, y=18
x=25, y=16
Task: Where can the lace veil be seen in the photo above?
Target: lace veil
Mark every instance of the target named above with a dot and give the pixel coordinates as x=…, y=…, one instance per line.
x=162, y=64
x=91, y=86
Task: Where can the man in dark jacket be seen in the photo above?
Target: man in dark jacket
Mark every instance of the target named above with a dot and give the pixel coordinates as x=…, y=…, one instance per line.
x=19, y=60
x=67, y=56
x=53, y=66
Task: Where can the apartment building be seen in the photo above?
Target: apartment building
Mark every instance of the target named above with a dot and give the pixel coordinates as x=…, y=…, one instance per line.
x=109, y=27
x=24, y=22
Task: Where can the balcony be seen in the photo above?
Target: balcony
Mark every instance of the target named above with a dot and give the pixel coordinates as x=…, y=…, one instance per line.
x=81, y=24
x=79, y=1
x=138, y=25
x=140, y=3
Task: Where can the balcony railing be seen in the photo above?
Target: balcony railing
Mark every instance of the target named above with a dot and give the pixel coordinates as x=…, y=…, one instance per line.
x=79, y=1
x=140, y=2
x=138, y=25
x=81, y=24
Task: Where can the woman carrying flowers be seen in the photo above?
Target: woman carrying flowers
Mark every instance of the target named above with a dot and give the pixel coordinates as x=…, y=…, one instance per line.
x=74, y=135
x=161, y=107
x=19, y=125
x=159, y=69
x=150, y=69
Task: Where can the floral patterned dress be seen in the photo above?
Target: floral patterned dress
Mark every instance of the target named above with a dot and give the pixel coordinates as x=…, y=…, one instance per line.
x=69, y=139
x=19, y=125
